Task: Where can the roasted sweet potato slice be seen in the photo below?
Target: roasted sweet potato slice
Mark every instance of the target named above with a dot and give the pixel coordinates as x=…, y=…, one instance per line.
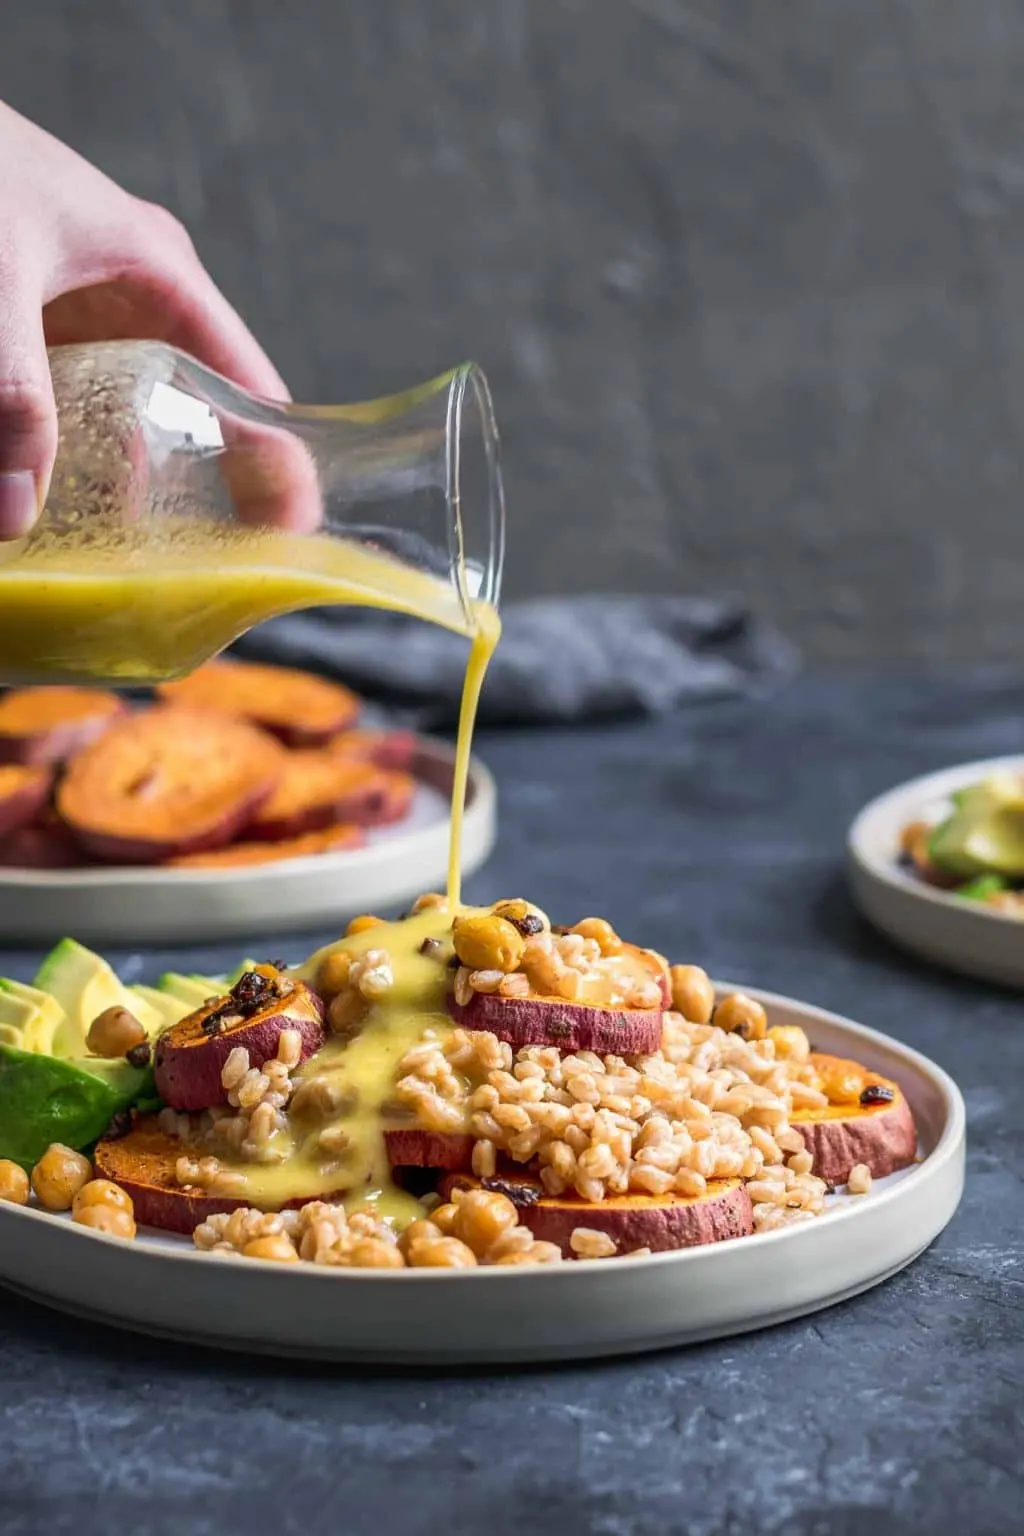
x=300, y=708
x=189, y=1056
x=878, y=1131
x=41, y=847
x=408, y=1147
x=317, y=789
x=47, y=725
x=581, y=1026
x=385, y=749
x=143, y=1163
x=660, y=1223
x=23, y=793
x=333, y=839
x=167, y=783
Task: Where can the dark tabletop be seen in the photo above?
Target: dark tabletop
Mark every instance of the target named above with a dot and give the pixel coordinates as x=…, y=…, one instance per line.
x=716, y=836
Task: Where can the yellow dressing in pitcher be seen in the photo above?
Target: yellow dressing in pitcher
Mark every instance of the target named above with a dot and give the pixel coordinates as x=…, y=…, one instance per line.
x=137, y=611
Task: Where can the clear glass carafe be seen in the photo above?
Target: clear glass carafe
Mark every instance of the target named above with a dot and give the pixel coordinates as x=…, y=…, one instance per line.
x=183, y=510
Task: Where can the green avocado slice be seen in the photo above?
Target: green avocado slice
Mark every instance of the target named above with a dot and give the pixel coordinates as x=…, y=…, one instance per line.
x=985, y=833
x=44, y=1099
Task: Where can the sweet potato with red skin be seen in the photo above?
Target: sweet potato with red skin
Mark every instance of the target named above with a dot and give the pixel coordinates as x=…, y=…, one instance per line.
x=240, y=855
x=303, y=710
x=187, y=1060
x=168, y=783
x=24, y=792
x=42, y=847
x=48, y=725
x=317, y=789
x=385, y=749
x=408, y=1147
x=661, y=1223
x=882, y=1136
x=525, y=1021
x=538, y=1020
x=143, y=1163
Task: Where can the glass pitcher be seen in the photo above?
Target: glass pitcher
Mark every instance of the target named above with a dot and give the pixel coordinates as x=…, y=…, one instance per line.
x=183, y=510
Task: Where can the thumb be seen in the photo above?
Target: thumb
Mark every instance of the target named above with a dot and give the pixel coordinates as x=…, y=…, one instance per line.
x=28, y=416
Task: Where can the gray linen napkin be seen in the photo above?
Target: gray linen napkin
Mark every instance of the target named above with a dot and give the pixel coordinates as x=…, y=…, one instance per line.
x=562, y=660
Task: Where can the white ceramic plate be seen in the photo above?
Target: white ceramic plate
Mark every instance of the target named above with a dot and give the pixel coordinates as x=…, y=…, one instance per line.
x=163, y=1286
x=138, y=906
x=961, y=935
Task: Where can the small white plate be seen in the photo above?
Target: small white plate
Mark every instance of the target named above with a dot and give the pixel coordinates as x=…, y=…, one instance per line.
x=163, y=1286
x=163, y=906
x=961, y=935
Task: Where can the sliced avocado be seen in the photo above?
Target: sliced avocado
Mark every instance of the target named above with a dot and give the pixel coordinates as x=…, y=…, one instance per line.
x=985, y=833
x=193, y=990
x=170, y=1008
x=982, y=888
x=84, y=985
x=43, y=1100
x=239, y=972
x=46, y=1015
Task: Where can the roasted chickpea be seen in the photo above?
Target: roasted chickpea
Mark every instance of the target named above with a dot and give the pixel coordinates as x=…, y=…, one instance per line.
x=13, y=1183
x=106, y=1218
x=488, y=943
x=346, y=1012
x=420, y=1231
x=481, y=1217
x=114, y=1032
x=597, y=928
x=692, y=993
x=443, y=1216
x=740, y=1015
x=102, y=1192
x=332, y=973
x=841, y=1081
x=912, y=836
x=375, y=1253
x=277, y=1246
x=525, y=919
x=443, y=1253
x=361, y=924
x=791, y=1043
x=428, y=901
x=58, y=1176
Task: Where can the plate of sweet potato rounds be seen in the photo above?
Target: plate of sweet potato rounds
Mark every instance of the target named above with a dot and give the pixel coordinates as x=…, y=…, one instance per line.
x=238, y=797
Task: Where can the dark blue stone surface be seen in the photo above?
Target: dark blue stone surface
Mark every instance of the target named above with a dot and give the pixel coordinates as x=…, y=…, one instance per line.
x=715, y=835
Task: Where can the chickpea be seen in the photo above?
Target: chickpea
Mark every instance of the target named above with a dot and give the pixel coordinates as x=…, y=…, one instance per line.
x=608, y=941
x=443, y=1253
x=106, y=1218
x=488, y=943
x=791, y=1043
x=361, y=924
x=375, y=1253
x=13, y=1183
x=420, y=1231
x=912, y=835
x=332, y=974
x=525, y=919
x=276, y=1246
x=429, y=901
x=841, y=1081
x=741, y=1015
x=114, y=1033
x=58, y=1176
x=347, y=1012
x=102, y=1192
x=692, y=993
x=443, y=1216
x=481, y=1216
x=518, y=1256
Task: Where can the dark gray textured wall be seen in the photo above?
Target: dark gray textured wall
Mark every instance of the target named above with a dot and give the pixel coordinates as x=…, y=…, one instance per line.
x=747, y=275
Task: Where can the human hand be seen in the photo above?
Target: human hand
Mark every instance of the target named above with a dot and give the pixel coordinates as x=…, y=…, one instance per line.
x=82, y=260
